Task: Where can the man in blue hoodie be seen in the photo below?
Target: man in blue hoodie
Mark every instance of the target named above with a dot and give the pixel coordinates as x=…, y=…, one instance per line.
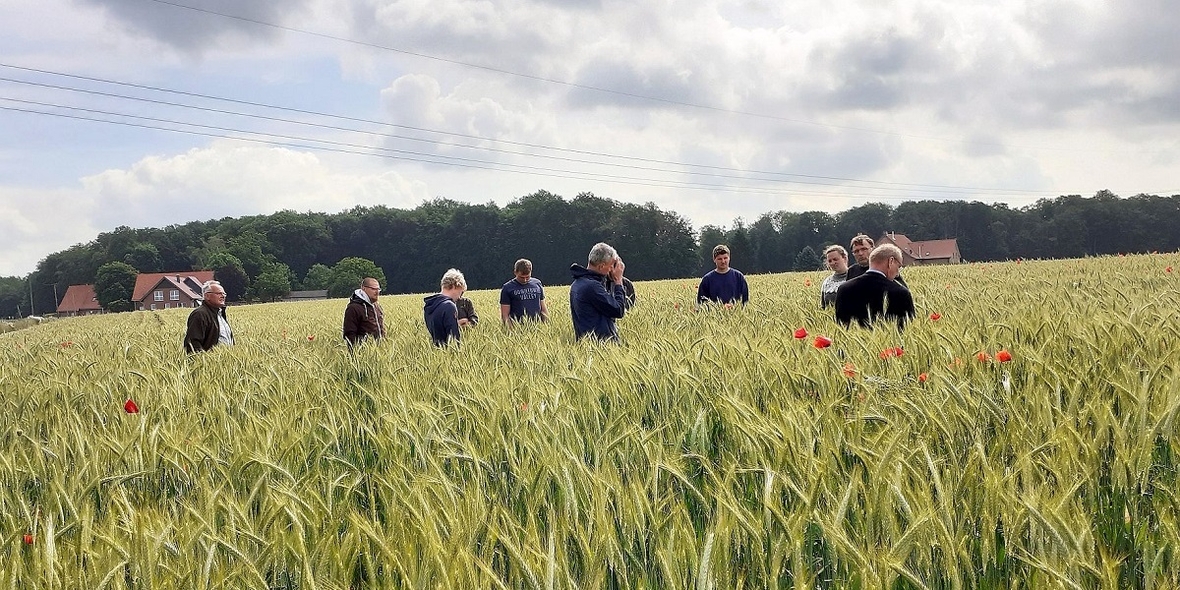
x=441, y=313
x=595, y=308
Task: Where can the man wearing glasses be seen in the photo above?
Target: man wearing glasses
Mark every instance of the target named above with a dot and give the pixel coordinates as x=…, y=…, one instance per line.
x=875, y=294
x=207, y=324
x=363, y=317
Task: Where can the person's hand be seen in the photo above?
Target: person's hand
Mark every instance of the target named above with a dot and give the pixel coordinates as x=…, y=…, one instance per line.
x=464, y=322
x=616, y=272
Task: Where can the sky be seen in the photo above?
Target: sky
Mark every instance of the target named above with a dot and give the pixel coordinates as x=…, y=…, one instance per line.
x=148, y=113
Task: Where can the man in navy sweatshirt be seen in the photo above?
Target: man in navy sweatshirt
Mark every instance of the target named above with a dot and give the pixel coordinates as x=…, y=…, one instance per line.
x=597, y=297
x=440, y=312
x=723, y=284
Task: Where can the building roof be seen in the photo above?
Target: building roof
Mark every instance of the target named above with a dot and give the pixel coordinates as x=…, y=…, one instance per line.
x=928, y=249
x=186, y=280
x=79, y=298
x=924, y=250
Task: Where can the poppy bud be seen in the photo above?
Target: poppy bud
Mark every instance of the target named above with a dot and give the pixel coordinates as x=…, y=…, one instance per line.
x=130, y=407
x=800, y=333
x=28, y=539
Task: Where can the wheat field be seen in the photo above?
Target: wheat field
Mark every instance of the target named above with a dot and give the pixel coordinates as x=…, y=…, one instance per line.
x=1026, y=438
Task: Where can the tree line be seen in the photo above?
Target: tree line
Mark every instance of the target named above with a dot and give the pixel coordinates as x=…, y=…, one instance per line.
x=264, y=257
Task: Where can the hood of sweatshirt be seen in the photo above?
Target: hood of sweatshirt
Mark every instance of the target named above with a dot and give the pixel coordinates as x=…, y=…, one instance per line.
x=432, y=302
x=360, y=296
x=578, y=271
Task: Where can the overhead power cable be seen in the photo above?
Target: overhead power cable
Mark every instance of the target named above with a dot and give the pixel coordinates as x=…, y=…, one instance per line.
x=874, y=183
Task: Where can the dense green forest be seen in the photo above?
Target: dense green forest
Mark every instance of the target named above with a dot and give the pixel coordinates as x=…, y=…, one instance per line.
x=261, y=257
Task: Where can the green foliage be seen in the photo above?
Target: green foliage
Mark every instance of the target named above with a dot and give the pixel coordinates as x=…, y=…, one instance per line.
x=348, y=274
x=14, y=297
x=274, y=283
x=228, y=271
x=114, y=284
x=318, y=277
x=710, y=449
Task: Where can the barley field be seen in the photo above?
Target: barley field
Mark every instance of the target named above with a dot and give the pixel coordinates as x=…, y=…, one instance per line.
x=1021, y=433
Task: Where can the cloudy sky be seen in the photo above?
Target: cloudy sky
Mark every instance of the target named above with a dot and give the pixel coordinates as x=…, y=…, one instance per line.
x=147, y=113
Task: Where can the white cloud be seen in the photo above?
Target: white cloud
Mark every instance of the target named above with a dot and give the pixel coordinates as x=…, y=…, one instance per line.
x=229, y=179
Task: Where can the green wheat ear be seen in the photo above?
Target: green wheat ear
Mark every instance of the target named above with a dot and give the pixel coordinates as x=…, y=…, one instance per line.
x=708, y=450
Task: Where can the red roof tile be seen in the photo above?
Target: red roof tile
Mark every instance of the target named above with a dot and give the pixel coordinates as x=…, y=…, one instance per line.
x=79, y=298
x=146, y=282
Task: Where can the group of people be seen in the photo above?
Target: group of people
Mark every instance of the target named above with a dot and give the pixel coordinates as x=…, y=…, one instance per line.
x=599, y=295
x=870, y=289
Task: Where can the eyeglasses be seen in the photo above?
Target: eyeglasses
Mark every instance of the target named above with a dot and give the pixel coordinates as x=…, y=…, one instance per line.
x=375, y=288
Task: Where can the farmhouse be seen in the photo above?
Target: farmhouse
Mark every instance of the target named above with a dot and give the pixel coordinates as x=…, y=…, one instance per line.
x=925, y=252
x=166, y=290
x=79, y=300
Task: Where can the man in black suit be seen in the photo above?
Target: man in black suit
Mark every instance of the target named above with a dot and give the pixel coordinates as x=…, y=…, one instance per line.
x=875, y=294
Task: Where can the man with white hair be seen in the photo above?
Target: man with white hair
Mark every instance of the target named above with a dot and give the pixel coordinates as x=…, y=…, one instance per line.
x=207, y=324
x=595, y=308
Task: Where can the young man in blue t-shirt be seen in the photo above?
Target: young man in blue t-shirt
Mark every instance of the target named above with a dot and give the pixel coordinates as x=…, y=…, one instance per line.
x=723, y=284
x=523, y=297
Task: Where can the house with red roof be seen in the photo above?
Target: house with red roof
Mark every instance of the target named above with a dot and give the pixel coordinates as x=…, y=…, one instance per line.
x=167, y=290
x=924, y=252
x=79, y=300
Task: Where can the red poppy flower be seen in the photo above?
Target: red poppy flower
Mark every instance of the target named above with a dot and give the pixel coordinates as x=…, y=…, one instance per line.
x=849, y=370
x=822, y=342
x=934, y=317
x=807, y=283
x=948, y=285
x=1003, y=356
x=67, y=344
x=891, y=352
x=676, y=306
x=958, y=362
x=524, y=407
x=310, y=337
x=130, y=407
x=728, y=306
x=1169, y=269
x=28, y=539
x=983, y=357
x=800, y=333
x=922, y=378
x=1017, y=261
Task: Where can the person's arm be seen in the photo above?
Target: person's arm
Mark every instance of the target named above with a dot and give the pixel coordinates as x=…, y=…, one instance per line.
x=544, y=311
x=194, y=335
x=703, y=294
x=844, y=304
x=744, y=289
x=505, y=305
x=351, y=328
x=451, y=321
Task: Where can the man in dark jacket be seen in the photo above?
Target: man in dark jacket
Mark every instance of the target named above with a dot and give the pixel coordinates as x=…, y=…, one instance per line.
x=595, y=308
x=363, y=317
x=207, y=324
x=862, y=246
x=875, y=294
x=440, y=312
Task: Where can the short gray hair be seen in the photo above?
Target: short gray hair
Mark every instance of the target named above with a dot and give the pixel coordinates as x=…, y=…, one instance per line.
x=208, y=285
x=601, y=252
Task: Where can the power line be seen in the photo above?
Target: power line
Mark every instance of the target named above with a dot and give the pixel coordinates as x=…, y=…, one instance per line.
x=463, y=163
x=901, y=185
